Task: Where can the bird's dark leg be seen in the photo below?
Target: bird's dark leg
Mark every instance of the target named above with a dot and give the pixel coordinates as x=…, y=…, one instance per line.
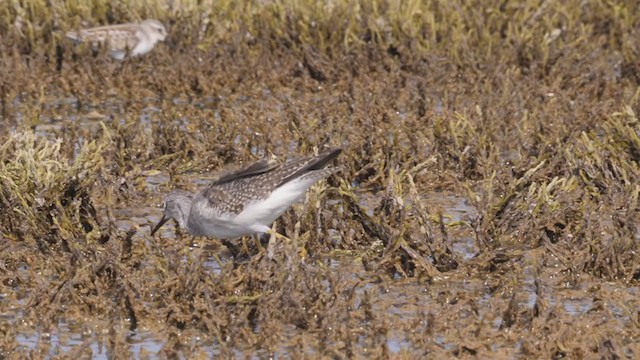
x=264, y=239
x=233, y=249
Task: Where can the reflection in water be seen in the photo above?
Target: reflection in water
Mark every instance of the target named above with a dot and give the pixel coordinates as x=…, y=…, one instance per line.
x=65, y=339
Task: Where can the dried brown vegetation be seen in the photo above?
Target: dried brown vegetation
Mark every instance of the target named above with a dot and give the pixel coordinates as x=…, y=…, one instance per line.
x=527, y=110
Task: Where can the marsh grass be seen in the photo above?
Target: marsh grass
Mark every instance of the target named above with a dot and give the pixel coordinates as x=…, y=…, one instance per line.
x=44, y=193
x=527, y=110
x=470, y=33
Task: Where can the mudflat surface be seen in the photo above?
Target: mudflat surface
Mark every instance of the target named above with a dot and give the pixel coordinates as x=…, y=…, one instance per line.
x=487, y=204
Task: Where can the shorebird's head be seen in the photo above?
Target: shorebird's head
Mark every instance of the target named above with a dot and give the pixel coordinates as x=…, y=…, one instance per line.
x=158, y=31
x=177, y=206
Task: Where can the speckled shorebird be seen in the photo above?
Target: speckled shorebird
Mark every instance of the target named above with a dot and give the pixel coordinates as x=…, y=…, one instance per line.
x=131, y=38
x=246, y=201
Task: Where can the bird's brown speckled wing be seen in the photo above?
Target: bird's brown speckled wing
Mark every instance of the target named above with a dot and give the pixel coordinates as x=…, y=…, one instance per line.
x=121, y=36
x=233, y=190
x=221, y=202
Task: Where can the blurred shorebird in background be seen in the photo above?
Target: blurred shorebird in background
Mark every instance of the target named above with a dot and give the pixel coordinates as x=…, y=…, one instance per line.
x=122, y=39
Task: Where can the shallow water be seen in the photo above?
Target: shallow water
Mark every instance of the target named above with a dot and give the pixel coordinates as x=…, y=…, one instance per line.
x=404, y=302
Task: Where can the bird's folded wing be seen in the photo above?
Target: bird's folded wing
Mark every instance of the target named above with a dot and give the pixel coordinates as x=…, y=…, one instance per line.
x=257, y=168
x=219, y=202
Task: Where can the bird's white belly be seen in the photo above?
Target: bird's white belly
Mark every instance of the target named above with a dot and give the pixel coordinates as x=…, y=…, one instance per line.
x=265, y=212
x=223, y=227
x=143, y=47
x=118, y=54
x=256, y=217
x=224, y=231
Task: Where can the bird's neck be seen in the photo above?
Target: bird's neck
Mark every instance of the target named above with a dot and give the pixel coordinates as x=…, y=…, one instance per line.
x=185, y=210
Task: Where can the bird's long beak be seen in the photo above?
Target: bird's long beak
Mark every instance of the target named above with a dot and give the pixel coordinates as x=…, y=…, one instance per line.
x=160, y=223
